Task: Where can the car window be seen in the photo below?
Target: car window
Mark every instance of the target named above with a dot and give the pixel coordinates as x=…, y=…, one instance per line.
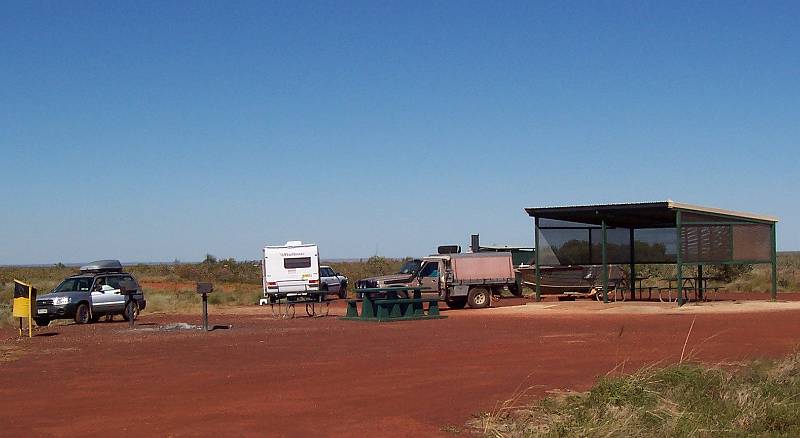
x=430, y=269
x=327, y=272
x=117, y=279
x=74, y=284
x=297, y=262
x=410, y=267
x=113, y=281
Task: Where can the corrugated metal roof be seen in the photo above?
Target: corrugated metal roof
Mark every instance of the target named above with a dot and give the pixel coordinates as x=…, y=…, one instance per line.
x=658, y=205
x=701, y=209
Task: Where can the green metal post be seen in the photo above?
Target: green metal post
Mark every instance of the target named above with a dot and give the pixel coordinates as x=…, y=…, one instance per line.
x=536, y=258
x=679, y=259
x=632, y=279
x=700, y=288
x=774, y=291
x=605, y=263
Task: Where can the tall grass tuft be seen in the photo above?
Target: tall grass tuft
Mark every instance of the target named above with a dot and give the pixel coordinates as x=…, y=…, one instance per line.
x=761, y=398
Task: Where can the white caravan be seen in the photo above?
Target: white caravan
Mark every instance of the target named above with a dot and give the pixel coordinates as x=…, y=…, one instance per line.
x=291, y=269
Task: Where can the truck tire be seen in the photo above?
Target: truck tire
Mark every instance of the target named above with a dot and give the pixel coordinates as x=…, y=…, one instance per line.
x=42, y=322
x=479, y=297
x=456, y=302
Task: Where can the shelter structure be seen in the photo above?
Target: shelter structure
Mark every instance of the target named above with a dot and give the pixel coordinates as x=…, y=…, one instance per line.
x=665, y=232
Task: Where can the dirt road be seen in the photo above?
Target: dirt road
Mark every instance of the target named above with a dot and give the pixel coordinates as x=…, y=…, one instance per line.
x=324, y=377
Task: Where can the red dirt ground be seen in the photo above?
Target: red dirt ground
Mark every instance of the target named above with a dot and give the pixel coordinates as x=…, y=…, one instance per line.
x=323, y=376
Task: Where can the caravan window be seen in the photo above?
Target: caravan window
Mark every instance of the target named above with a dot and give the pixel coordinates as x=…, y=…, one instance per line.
x=297, y=262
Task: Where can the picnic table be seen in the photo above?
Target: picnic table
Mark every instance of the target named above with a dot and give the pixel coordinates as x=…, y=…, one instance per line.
x=638, y=286
x=697, y=284
x=392, y=304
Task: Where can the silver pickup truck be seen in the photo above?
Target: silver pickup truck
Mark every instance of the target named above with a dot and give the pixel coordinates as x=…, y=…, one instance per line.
x=90, y=295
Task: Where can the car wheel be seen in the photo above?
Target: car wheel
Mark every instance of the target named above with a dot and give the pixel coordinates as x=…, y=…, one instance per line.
x=82, y=314
x=41, y=322
x=478, y=298
x=128, y=311
x=457, y=302
x=343, y=291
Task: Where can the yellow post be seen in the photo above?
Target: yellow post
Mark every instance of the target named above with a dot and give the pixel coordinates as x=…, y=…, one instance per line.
x=23, y=303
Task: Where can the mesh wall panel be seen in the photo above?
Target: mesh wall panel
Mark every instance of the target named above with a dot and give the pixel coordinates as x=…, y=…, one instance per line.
x=545, y=222
x=618, y=247
x=572, y=246
x=699, y=217
x=564, y=247
x=752, y=242
x=655, y=245
x=706, y=243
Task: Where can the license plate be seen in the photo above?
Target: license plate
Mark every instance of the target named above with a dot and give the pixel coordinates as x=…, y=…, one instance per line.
x=40, y=311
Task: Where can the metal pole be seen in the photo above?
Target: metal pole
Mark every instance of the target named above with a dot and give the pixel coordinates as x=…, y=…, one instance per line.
x=205, y=312
x=632, y=280
x=605, y=263
x=536, y=258
x=679, y=258
x=700, y=288
x=774, y=257
x=130, y=311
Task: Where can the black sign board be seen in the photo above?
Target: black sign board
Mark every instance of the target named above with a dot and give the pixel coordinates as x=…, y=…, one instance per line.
x=21, y=290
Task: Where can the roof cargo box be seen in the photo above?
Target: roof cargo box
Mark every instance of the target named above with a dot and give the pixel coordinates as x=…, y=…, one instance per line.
x=103, y=266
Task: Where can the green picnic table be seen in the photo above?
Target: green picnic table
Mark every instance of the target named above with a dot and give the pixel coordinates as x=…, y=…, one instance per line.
x=392, y=304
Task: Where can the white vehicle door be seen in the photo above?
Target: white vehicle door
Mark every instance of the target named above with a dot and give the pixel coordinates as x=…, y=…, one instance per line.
x=115, y=299
x=103, y=299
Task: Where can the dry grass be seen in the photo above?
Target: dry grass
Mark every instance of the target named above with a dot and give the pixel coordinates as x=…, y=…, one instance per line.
x=759, y=279
x=760, y=398
x=10, y=352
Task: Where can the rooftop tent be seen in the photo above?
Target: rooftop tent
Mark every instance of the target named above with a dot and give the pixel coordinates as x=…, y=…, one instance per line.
x=651, y=232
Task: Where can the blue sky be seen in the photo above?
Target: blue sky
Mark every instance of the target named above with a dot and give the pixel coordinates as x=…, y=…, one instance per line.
x=150, y=131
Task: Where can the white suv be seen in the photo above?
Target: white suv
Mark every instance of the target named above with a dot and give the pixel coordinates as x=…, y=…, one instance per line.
x=332, y=282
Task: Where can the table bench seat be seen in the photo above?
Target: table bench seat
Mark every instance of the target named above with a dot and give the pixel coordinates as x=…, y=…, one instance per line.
x=392, y=308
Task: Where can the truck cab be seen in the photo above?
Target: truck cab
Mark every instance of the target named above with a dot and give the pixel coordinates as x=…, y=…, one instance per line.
x=432, y=275
x=467, y=279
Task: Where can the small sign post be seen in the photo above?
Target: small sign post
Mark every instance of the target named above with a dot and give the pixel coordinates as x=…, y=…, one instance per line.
x=204, y=289
x=129, y=289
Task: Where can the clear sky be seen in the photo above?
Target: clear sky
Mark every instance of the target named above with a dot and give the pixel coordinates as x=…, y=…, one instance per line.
x=149, y=131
